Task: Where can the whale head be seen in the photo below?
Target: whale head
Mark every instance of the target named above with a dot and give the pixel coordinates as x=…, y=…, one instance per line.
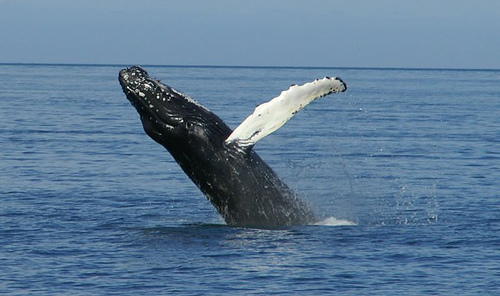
x=155, y=103
x=166, y=113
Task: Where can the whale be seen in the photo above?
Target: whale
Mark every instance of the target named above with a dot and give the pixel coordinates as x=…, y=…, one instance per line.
x=221, y=162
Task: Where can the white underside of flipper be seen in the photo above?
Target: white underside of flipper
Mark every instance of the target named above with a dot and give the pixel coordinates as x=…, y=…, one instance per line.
x=272, y=115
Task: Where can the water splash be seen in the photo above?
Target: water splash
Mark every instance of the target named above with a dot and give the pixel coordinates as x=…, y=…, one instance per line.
x=332, y=221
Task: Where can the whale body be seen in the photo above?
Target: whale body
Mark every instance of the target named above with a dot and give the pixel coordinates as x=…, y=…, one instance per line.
x=221, y=162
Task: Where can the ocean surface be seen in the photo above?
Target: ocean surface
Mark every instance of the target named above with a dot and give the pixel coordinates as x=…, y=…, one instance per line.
x=404, y=168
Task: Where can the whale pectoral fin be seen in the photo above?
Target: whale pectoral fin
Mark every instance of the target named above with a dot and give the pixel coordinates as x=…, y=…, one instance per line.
x=272, y=115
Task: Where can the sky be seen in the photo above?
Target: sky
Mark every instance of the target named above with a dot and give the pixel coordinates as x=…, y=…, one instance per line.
x=299, y=33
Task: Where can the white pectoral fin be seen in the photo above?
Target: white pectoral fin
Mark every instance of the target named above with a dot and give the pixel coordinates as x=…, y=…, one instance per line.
x=272, y=115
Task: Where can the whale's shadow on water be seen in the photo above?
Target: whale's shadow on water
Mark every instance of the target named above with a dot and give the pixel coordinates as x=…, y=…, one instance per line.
x=201, y=229
x=199, y=232
x=219, y=240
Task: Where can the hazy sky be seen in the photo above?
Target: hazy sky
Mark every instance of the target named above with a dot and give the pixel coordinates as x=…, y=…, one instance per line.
x=325, y=33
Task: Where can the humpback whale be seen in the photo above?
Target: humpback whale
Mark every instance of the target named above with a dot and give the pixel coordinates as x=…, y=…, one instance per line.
x=221, y=162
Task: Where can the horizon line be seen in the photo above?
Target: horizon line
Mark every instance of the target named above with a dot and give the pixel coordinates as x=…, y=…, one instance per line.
x=248, y=67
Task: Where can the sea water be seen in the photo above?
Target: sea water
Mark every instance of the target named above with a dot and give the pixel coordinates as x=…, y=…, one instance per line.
x=403, y=169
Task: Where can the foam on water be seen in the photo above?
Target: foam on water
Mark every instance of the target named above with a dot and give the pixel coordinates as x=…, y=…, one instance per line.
x=332, y=221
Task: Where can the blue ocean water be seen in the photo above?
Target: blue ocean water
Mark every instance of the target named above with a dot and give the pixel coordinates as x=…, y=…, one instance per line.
x=90, y=205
